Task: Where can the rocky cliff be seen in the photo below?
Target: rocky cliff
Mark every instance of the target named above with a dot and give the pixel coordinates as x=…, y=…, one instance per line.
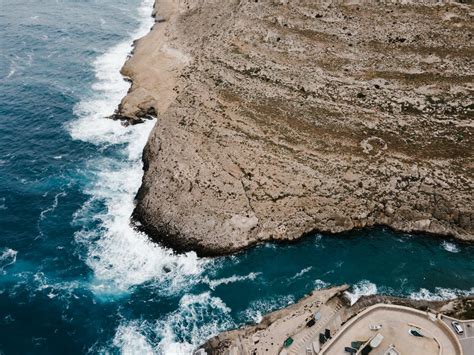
x=278, y=118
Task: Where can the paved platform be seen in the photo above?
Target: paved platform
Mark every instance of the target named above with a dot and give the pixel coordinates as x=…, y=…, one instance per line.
x=466, y=339
x=396, y=322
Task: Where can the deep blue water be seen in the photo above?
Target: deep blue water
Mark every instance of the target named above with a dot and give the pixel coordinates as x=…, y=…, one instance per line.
x=74, y=277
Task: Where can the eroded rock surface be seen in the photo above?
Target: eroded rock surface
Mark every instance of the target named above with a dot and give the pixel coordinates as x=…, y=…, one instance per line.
x=277, y=118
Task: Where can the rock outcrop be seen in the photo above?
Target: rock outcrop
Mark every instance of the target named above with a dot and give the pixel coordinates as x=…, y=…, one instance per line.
x=278, y=118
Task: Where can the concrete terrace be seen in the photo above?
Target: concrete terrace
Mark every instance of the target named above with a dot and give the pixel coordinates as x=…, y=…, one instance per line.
x=300, y=328
x=466, y=339
x=396, y=322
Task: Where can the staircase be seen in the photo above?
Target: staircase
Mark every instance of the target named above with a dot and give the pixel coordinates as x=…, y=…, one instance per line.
x=311, y=333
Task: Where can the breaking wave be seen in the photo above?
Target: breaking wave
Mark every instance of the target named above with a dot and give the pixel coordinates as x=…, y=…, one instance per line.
x=108, y=90
x=119, y=256
x=362, y=288
x=319, y=284
x=259, y=308
x=131, y=340
x=440, y=294
x=197, y=318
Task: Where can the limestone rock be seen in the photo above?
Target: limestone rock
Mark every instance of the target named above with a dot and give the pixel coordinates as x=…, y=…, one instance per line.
x=278, y=118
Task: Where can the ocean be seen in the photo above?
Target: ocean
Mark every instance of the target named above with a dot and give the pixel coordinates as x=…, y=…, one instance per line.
x=74, y=276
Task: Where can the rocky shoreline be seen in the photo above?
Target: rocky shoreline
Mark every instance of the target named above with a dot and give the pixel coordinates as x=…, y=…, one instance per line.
x=277, y=119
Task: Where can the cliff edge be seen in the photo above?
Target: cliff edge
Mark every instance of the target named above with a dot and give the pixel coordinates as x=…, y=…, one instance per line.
x=278, y=118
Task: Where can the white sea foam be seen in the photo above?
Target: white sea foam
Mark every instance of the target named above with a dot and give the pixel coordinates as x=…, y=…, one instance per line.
x=53, y=206
x=227, y=280
x=92, y=125
x=190, y=321
x=7, y=257
x=11, y=72
x=120, y=256
x=440, y=294
x=317, y=241
x=197, y=318
x=301, y=273
x=362, y=288
x=319, y=284
x=449, y=246
x=254, y=313
x=54, y=288
x=131, y=340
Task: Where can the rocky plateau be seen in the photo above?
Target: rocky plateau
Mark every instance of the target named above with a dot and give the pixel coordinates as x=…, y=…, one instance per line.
x=277, y=118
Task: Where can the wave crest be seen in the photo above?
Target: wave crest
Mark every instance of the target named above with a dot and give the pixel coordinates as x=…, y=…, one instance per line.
x=362, y=288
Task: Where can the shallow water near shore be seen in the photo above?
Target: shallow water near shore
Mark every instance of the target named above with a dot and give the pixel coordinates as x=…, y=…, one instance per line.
x=74, y=276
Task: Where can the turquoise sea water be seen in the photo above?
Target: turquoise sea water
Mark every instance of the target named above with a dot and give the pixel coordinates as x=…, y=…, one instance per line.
x=74, y=277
